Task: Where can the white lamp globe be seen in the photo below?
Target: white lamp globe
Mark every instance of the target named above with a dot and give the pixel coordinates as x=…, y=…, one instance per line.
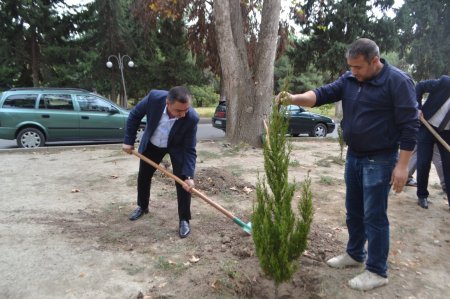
x=130, y=63
x=109, y=64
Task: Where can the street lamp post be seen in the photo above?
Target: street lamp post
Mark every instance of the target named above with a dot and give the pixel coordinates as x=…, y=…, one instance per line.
x=120, y=59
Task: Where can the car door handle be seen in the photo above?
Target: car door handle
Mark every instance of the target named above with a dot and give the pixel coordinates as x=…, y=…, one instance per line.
x=85, y=117
x=45, y=116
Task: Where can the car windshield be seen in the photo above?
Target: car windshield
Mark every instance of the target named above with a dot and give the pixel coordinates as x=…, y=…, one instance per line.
x=292, y=110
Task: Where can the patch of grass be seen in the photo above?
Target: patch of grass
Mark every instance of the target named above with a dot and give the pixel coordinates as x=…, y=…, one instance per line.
x=164, y=264
x=132, y=180
x=296, y=146
x=326, y=180
x=112, y=237
x=133, y=270
x=233, y=150
x=235, y=170
x=205, y=111
x=294, y=163
x=229, y=267
x=326, y=162
x=205, y=155
x=402, y=232
x=298, y=185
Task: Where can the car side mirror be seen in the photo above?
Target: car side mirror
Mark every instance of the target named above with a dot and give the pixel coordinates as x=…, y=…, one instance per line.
x=113, y=110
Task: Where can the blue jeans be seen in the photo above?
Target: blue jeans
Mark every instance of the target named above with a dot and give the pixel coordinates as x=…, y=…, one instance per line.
x=367, y=179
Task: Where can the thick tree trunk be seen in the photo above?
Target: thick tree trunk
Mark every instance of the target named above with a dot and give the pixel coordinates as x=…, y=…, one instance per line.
x=248, y=90
x=34, y=58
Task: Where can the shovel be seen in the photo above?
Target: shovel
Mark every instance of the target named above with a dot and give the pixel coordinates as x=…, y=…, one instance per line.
x=435, y=134
x=247, y=227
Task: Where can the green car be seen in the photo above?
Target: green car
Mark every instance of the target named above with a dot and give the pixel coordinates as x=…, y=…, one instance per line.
x=34, y=116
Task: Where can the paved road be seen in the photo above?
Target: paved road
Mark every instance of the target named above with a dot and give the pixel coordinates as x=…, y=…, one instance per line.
x=205, y=132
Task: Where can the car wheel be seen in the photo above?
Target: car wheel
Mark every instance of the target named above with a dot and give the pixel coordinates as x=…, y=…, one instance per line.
x=139, y=134
x=320, y=130
x=295, y=135
x=30, y=138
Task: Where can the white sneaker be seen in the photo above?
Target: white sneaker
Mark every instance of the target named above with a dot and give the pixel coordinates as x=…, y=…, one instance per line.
x=367, y=281
x=342, y=261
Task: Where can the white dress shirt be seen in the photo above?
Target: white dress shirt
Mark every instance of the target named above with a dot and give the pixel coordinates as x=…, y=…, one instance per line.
x=439, y=116
x=161, y=135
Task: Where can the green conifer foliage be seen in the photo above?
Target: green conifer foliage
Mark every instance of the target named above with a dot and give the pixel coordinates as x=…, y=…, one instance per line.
x=279, y=234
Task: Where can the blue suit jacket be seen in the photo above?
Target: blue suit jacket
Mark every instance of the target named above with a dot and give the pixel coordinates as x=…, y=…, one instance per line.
x=439, y=92
x=182, y=137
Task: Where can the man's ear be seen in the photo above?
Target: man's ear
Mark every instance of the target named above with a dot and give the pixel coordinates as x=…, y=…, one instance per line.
x=375, y=59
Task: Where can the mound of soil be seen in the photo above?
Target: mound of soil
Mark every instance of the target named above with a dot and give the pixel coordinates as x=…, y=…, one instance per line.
x=214, y=180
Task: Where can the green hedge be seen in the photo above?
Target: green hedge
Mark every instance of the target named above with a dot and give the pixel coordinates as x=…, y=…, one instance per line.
x=204, y=96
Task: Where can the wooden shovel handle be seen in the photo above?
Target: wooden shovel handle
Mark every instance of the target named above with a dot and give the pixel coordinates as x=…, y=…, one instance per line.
x=435, y=134
x=181, y=182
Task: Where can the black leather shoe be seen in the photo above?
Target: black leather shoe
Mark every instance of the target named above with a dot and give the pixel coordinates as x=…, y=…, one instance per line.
x=423, y=202
x=184, y=229
x=138, y=213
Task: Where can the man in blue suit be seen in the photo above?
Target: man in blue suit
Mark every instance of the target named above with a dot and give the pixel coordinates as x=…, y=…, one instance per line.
x=171, y=128
x=435, y=110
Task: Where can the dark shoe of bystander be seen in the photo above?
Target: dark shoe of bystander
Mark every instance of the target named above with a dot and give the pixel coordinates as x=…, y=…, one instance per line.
x=138, y=213
x=423, y=202
x=184, y=229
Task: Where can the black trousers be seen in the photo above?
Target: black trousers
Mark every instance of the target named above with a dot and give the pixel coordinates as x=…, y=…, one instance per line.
x=145, y=176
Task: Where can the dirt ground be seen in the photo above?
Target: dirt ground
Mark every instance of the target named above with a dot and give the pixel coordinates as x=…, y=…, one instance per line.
x=65, y=233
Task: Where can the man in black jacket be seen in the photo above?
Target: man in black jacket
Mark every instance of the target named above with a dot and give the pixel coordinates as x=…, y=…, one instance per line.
x=380, y=117
x=436, y=111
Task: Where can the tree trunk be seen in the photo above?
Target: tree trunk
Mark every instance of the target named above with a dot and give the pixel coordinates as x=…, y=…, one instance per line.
x=34, y=58
x=113, y=90
x=338, y=110
x=248, y=90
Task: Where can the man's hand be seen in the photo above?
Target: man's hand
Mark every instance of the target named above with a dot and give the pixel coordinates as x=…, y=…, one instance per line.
x=188, y=185
x=283, y=98
x=127, y=148
x=400, y=173
x=399, y=178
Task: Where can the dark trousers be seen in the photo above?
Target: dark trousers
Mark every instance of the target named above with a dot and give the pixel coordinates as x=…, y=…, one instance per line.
x=425, y=143
x=144, y=181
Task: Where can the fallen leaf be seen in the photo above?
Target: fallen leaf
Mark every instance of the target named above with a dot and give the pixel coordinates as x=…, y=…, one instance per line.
x=81, y=274
x=234, y=189
x=114, y=176
x=215, y=284
x=75, y=190
x=194, y=259
x=162, y=285
x=171, y=262
x=247, y=190
x=187, y=264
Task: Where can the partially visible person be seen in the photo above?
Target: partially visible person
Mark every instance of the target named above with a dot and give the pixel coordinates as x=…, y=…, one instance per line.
x=380, y=118
x=171, y=129
x=435, y=110
x=412, y=166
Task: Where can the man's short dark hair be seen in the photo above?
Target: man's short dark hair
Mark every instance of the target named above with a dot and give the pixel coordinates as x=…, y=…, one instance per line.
x=179, y=94
x=365, y=47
